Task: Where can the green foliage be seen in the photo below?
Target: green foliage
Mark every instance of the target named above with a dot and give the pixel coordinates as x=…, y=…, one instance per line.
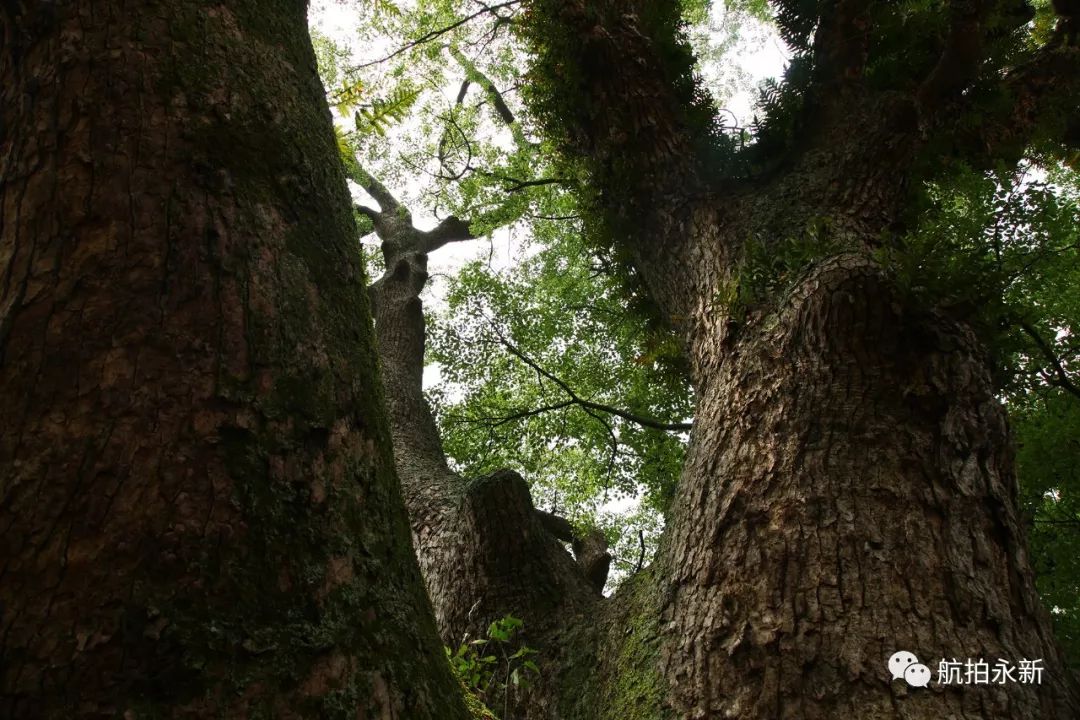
x=385, y=7
x=408, y=124
x=903, y=47
x=329, y=57
x=347, y=152
x=997, y=250
x=1001, y=251
x=562, y=312
x=768, y=269
x=757, y=9
x=496, y=666
x=780, y=107
x=348, y=95
x=381, y=113
x=1044, y=21
x=1047, y=427
x=558, y=93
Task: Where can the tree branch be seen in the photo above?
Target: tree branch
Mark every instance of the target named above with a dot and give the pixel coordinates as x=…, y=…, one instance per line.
x=454, y=523
x=494, y=421
x=377, y=190
x=554, y=217
x=590, y=549
x=618, y=95
x=452, y=229
x=1043, y=90
x=641, y=555
x=958, y=64
x=494, y=96
x=589, y=404
x=517, y=184
x=429, y=36
x=368, y=211
x=557, y=525
x=609, y=81
x=841, y=44
x=1064, y=381
x=462, y=92
x=1068, y=523
x=444, y=141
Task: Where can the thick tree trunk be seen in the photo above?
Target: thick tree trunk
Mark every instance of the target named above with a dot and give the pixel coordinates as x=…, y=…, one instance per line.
x=199, y=515
x=484, y=549
x=849, y=493
x=848, y=490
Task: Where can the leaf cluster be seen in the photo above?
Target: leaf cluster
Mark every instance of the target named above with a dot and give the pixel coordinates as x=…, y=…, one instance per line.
x=997, y=250
x=769, y=268
x=493, y=667
x=559, y=309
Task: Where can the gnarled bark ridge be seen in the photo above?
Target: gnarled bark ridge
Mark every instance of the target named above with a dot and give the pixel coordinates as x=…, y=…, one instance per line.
x=198, y=511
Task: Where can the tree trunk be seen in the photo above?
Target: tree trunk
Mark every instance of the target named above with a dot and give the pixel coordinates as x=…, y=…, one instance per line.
x=198, y=508
x=849, y=488
x=484, y=549
x=849, y=493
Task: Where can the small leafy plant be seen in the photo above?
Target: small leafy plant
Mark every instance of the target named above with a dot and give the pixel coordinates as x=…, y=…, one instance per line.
x=497, y=665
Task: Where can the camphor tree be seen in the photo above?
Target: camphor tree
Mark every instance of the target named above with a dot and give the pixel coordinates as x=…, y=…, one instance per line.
x=849, y=485
x=199, y=516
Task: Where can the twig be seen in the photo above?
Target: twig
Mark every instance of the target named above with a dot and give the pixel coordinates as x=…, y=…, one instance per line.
x=428, y=37
x=1068, y=523
x=589, y=404
x=495, y=421
x=1063, y=381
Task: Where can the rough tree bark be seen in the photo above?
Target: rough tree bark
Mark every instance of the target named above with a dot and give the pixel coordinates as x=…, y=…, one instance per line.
x=849, y=488
x=484, y=550
x=199, y=515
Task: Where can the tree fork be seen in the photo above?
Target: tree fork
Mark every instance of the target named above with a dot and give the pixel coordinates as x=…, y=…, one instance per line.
x=837, y=420
x=483, y=548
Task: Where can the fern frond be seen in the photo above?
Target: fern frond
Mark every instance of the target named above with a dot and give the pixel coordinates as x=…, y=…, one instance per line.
x=381, y=113
x=347, y=151
x=385, y=7
x=348, y=96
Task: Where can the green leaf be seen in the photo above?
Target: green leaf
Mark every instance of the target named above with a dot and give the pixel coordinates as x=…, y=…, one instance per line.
x=377, y=116
x=347, y=96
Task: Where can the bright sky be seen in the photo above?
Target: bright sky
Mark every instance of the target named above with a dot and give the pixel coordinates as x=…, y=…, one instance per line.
x=758, y=53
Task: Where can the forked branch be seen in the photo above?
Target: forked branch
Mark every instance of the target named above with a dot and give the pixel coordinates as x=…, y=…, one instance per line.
x=575, y=399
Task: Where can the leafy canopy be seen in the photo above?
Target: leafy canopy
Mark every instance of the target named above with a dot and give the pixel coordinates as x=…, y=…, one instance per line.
x=527, y=350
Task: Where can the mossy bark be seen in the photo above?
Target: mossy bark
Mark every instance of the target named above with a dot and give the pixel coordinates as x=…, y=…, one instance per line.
x=849, y=488
x=198, y=507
